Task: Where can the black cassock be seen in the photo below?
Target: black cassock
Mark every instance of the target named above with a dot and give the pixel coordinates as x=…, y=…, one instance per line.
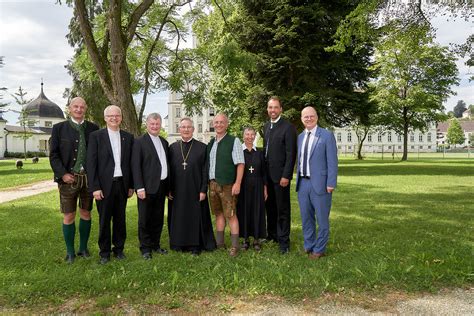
x=251, y=202
x=189, y=219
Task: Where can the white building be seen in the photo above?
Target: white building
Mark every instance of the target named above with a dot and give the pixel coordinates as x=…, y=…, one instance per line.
x=203, y=128
x=467, y=127
x=387, y=141
x=42, y=115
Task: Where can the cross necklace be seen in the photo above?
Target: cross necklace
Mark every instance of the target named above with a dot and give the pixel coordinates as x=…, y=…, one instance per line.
x=187, y=154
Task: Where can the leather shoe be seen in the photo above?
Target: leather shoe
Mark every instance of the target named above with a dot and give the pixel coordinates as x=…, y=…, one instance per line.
x=316, y=255
x=84, y=253
x=161, y=251
x=195, y=252
x=284, y=251
x=256, y=246
x=104, y=260
x=120, y=256
x=70, y=258
x=147, y=255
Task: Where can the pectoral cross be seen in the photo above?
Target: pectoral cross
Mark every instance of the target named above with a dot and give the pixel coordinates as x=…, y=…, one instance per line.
x=251, y=169
x=184, y=165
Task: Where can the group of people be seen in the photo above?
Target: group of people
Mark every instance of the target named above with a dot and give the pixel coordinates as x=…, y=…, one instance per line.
x=243, y=186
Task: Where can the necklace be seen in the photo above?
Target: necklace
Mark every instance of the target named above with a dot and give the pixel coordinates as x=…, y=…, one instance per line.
x=187, y=154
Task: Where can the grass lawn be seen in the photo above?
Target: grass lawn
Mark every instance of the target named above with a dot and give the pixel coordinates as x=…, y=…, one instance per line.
x=395, y=226
x=10, y=176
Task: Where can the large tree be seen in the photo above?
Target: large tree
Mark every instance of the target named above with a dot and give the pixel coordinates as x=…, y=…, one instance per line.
x=127, y=45
x=2, y=89
x=415, y=77
x=459, y=108
x=455, y=134
x=24, y=117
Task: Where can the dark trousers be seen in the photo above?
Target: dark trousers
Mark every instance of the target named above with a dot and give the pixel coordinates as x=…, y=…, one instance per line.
x=150, y=220
x=279, y=214
x=112, y=209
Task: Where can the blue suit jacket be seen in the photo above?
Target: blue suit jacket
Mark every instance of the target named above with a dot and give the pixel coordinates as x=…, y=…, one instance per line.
x=322, y=161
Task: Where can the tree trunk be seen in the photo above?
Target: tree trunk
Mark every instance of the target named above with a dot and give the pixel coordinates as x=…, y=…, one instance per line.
x=405, y=134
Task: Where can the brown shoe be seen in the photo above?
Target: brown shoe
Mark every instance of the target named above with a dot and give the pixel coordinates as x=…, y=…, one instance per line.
x=234, y=251
x=316, y=255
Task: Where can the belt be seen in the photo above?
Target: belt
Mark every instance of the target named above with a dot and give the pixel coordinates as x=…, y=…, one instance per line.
x=115, y=179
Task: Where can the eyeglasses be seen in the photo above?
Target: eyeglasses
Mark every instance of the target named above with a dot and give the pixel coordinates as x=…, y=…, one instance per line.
x=113, y=116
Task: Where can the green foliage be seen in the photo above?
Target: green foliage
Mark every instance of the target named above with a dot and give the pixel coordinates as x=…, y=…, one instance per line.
x=415, y=77
x=459, y=108
x=24, y=119
x=2, y=89
x=376, y=203
x=455, y=134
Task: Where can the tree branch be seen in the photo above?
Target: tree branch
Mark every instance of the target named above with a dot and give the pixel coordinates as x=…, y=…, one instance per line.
x=135, y=18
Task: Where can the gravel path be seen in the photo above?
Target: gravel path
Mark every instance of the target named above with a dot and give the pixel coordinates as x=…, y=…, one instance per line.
x=28, y=190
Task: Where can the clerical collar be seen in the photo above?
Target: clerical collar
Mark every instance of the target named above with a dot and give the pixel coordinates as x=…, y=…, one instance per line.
x=112, y=131
x=184, y=141
x=313, y=130
x=78, y=123
x=245, y=147
x=275, y=121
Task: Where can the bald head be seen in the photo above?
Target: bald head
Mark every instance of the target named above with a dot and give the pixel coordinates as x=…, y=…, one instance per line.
x=309, y=117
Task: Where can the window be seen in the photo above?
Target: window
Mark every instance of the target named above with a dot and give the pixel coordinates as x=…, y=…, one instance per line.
x=420, y=138
x=349, y=137
x=389, y=147
x=339, y=147
x=43, y=145
x=379, y=137
x=399, y=147
x=412, y=137
x=211, y=127
x=399, y=138
x=177, y=128
x=178, y=112
x=429, y=147
x=389, y=137
x=339, y=137
x=412, y=147
x=421, y=147
x=211, y=111
x=369, y=138
x=350, y=147
x=199, y=128
x=48, y=124
x=429, y=137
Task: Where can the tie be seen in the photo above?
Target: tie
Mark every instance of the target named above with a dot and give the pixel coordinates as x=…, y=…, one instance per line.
x=305, y=155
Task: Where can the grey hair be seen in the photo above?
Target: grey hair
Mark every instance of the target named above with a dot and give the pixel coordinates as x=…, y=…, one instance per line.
x=112, y=106
x=154, y=116
x=186, y=119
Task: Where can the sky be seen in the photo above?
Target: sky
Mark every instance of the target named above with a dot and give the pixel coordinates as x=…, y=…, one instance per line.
x=34, y=45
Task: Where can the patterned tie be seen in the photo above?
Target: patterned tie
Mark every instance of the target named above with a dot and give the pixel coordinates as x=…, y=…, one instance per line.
x=305, y=155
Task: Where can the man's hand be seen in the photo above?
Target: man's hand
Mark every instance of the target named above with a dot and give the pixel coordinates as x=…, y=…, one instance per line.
x=265, y=192
x=329, y=189
x=202, y=196
x=284, y=182
x=68, y=178
x=98, y=195
x=170, y=196
x=141, y=194
x=235, y=189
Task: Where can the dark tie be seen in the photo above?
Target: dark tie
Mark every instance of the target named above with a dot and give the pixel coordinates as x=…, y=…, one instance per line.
x=305, y=155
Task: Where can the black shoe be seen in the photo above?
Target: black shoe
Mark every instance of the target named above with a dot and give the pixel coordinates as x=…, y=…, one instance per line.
x=284, y=251
x=160, y=251
x=70, y=258
x=120, y=256
x=195, y=252
x=245, y=245
x=84, y=253
x=146, y=255
x=104, y=260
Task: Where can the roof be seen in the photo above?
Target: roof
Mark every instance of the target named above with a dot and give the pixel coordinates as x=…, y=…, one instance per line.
x=467, y=126
x=43, y=107
x=19, y=129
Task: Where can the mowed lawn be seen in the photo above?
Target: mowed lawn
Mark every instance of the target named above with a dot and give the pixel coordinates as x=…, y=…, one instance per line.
x=395, y=226
x=31, y=172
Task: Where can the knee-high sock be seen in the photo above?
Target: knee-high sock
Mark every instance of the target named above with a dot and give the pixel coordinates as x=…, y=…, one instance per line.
x=235, y=240
x=84, y=233
x=220, y=238
x=69, y=231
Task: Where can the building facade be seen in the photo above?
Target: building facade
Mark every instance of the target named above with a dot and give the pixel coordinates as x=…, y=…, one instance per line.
x=467, y=127
x=387, y=141
x=42, y=114
x=203, y=128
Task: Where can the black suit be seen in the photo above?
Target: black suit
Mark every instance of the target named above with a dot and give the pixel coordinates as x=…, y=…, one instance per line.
x=280, y=151
x=100, y=175
x=64, y=146
x=147, y=169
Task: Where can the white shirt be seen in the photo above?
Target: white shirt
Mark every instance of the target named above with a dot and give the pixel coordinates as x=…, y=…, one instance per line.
x=310, y=145
x=161, y=155
x=114, y=137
